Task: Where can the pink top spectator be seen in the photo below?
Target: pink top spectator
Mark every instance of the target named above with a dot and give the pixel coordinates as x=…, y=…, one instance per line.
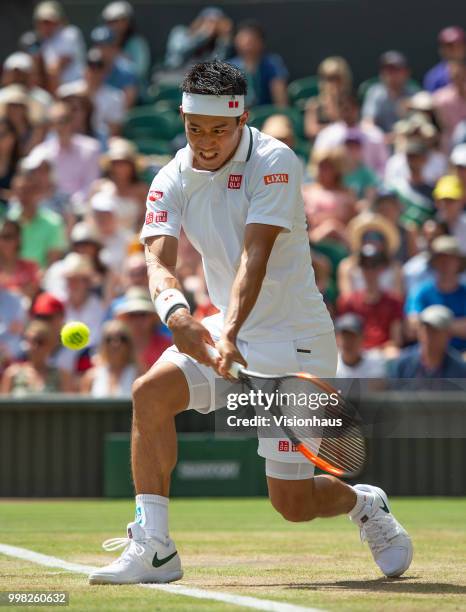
x=450, y=107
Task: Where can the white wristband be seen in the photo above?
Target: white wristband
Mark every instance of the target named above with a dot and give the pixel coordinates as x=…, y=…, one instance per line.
x=166, y=300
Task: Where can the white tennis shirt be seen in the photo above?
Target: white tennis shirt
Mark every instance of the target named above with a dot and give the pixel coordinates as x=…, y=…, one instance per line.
x=260, y=184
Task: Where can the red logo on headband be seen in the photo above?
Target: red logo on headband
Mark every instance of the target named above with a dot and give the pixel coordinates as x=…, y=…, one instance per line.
x=155, y=195
x=234, y=181
x=233, y=104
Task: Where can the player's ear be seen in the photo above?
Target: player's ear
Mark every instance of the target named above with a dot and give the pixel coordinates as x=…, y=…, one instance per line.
x=244, y=117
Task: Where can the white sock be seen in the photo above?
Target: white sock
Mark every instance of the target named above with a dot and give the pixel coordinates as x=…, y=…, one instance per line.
x=362, y=497
x=152, y=515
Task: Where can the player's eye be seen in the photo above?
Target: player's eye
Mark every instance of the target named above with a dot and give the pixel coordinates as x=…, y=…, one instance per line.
x=219, y=132
x=194, y=130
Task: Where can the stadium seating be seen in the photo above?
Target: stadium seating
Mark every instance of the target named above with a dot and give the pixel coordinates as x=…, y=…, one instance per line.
x=300, y=90
x=258, y=115
x=148, y=122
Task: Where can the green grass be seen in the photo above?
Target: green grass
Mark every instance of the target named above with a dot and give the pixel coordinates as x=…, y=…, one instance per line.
x=242, y=546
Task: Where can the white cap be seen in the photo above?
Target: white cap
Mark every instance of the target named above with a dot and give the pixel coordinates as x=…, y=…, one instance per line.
x=48, y=11
x=458, y=155
x=117, y=10
x=437, y=316
x=75, y=264
x=74, y=88
x=103, y=202
x=18, y=61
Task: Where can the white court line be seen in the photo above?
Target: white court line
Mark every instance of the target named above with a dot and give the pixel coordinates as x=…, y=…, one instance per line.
x=175, y=589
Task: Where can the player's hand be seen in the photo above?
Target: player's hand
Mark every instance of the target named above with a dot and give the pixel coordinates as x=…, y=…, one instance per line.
x=229, y=353
x=190, y=337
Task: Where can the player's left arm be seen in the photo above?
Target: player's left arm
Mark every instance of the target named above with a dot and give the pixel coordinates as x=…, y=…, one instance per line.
x=258, y=243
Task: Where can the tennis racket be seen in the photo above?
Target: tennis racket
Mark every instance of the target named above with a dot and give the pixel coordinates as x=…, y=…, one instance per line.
x=334, y=442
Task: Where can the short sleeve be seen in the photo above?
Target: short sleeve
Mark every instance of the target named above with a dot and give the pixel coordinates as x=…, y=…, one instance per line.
x=277, y=68
x=276, y=192
x=163, y=205
x=370, y=104
x=415, y=301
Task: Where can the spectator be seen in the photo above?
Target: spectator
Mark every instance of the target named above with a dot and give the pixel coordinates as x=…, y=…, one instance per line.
x=388, y=205
x=115, y=370
x=449, y=201
x=450, y=103
x=432, y=357
x=266, y=72
x=50, y=197
x=76, y=97
x=61, y=45
x=119, y=17
x=458, y=160
x=134, y=275
x=85, y=241
x=116, y=239
x=418, y=270
x=24, y=114
x=447, y=289
x=358, y=177
x=148, y=337
x=375, y=152
x=122, y=166
x=12, y=320
x=353, y=360
x=74, y=157
x=209, y=37
x=383, y=102
x=335, y=80
x=281, y=128
x=416, y=128
x=413, y=190
x=36, y=375
x=9, y=157
x=328, y=204
x=382, y=311
x=18, y=69
x=16, y=274
x=82, y=304
x=119, y=72
x=109, y=102
x=371, y=229
x=43, y=237
x=452, y=46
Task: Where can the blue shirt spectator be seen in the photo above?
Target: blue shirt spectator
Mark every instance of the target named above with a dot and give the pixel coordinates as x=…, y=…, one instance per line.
x=12, y=320
x=409, y=365
x=451, y=42
x=266, y=72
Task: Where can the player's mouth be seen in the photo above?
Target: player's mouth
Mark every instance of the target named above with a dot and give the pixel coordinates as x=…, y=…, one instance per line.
x=208, y=157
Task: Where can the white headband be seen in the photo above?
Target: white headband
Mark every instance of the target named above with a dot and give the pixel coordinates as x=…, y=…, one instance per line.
x=216, y=106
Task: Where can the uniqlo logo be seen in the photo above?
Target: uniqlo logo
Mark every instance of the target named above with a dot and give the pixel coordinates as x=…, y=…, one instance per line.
x=149, y=218
x=161, y=216
x=233, y=104
x=283, y=446
x=234, y=181
x=275, y=178
x=155, y=195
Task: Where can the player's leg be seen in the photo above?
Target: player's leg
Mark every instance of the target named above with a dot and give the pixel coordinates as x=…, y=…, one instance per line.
x=173, y=384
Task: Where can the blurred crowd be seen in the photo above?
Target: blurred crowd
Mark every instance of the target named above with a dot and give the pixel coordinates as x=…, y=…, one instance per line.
x=85, y=125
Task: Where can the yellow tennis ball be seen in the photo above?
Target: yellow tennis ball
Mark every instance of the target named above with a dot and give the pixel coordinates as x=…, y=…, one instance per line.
x=75, y=335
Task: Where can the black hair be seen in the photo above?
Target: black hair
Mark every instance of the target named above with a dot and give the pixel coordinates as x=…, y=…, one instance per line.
x=215, y=79
x=254, y=26
x=16, y=150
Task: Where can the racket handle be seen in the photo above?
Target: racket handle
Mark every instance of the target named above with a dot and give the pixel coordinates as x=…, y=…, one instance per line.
x=235, y=366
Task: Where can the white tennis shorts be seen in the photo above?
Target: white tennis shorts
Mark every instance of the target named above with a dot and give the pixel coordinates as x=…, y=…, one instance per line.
x=316, y=355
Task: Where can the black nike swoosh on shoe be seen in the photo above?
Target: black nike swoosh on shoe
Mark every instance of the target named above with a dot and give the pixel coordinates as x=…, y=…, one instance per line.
x=384, y=507
x=159, y=562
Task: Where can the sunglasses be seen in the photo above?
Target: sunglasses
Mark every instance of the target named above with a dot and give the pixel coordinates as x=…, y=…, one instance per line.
x=8, y=237
x=116, y=338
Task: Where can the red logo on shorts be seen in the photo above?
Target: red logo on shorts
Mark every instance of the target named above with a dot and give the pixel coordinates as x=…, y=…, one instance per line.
x=294, y=448
x=149, y=218
x=234, y=181
x=155, y=195
x=283, y=446
x=275, y=178
x=161, y=216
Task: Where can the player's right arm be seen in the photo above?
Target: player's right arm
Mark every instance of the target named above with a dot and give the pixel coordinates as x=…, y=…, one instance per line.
x=160, y=236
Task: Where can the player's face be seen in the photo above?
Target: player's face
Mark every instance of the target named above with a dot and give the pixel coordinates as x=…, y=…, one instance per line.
x=213, y=140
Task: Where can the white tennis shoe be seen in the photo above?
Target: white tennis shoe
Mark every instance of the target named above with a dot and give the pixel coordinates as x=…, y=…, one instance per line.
x=390, y=544
x=143, y=560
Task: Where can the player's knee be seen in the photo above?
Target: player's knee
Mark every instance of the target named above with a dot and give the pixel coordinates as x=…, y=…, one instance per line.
x=146, y=392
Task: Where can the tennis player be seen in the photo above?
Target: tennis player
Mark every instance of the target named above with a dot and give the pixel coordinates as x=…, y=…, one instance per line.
x=237, y=195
